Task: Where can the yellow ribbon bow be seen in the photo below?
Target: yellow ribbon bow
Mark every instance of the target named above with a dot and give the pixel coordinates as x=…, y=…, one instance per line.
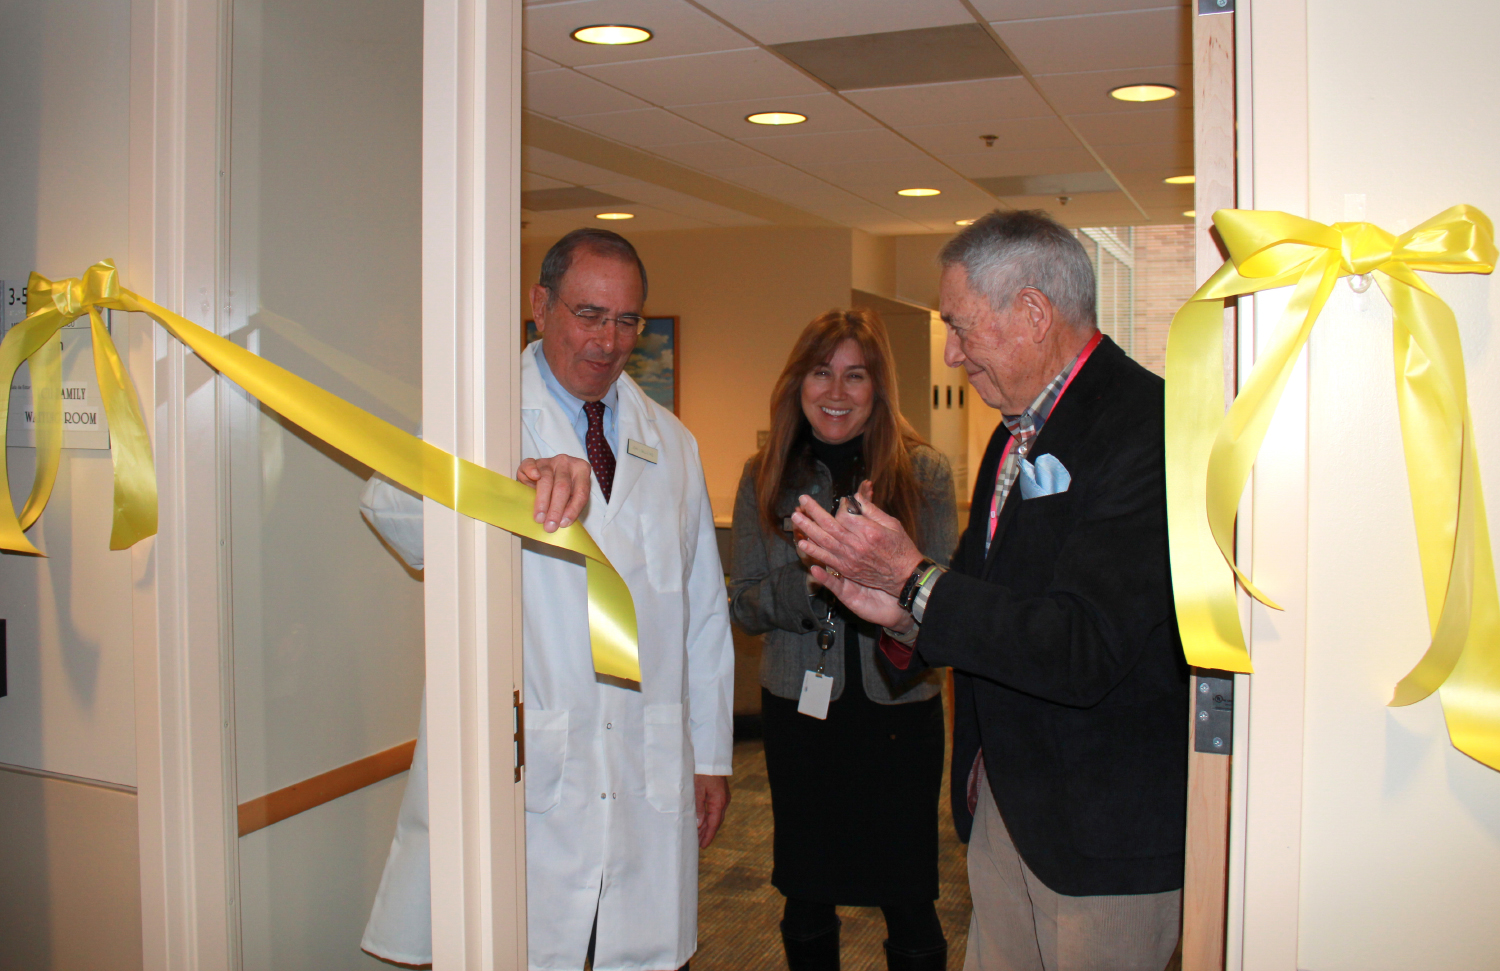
x=401, y=457
x=1209, y=452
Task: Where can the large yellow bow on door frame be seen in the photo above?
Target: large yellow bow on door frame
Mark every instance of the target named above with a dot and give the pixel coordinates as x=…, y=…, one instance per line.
x=1210, y=452
x=425, y=469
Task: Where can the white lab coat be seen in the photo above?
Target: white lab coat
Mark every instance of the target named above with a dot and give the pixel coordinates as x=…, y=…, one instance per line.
x=611, y=827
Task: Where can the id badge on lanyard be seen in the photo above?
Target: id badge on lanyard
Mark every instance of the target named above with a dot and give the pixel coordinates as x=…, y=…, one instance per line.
x=817, y=687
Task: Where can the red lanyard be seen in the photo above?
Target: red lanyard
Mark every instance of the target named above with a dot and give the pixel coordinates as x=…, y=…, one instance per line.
x=1078, y=364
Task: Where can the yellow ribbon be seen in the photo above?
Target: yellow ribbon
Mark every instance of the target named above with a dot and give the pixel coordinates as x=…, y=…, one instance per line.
x=1210, y=452
x=429, y=471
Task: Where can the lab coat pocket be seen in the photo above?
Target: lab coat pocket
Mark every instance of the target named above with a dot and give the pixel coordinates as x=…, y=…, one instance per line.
x=546, y=751
x=664, y=771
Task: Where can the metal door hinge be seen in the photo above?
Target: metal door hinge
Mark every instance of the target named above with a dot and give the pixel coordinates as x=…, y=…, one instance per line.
x=520, y=735
x=1213, y=714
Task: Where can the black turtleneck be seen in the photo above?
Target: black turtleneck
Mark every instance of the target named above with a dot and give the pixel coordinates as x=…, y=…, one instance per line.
x=845, y=461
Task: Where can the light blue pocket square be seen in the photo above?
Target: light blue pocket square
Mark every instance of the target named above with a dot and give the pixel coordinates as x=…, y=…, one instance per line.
x=1045, y=478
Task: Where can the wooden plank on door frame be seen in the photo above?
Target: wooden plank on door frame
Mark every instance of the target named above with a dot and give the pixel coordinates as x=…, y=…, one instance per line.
x=1205, y=878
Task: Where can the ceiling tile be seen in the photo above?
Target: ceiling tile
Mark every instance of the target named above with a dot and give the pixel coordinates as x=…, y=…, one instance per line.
x=850, y=210
x=1012, y=134
x=987, y=163
x=779, y=180
x=958, y=201
x=571, y=197
x=703, y=78
x=567, y=169
x=563, y=92
x=892, y=174
x=952, y=103
x=536, y=62
x=1088, y=92
x=669, y=200
x=1167, y=158
x=789, y=185
x=1094, y=209
x=834, y=147
x=676, y=27
x=1136, y=127
x=552, y=225
x=1145, y=183
x=1101, y=43
x=721, y=153
x=1002, y=10
x=780, y=21
x=825, y=112
x=928, y=55
x=531, y=181
x=644, y=128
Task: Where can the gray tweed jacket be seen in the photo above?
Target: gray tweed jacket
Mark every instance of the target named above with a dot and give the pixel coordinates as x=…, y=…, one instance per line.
x=768, y=586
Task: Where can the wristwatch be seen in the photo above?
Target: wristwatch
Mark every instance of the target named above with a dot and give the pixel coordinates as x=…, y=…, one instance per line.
x=909, y=589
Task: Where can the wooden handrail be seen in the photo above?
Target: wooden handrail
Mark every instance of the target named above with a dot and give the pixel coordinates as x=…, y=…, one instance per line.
x=299, y=797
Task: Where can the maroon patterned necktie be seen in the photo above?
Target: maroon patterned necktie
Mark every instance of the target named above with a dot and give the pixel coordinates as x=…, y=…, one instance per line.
x=601, y=457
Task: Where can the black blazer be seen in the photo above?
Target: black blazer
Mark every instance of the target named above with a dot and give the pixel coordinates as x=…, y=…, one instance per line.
x=1067, y=665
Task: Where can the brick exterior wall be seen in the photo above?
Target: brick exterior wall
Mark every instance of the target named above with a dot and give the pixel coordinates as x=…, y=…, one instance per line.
x=1163, y=282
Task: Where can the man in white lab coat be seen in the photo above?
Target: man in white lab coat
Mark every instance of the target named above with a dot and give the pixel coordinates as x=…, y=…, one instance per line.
x=624, y=782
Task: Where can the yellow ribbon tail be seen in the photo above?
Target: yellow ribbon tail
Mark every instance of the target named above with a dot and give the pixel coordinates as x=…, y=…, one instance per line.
x=130, y=448
x=46, y=408
x=1208, y=616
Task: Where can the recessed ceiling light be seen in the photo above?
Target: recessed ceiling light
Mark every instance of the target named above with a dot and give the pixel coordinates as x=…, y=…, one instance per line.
x=615, y=215
x=963, y=222
x=1190, y=213
x=776, y=118
x=1143, y=92
x=612, y=34
x=1180, y=179
x=919, y=192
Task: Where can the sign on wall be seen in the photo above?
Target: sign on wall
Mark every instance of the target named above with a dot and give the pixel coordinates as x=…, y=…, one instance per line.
x=84, y=425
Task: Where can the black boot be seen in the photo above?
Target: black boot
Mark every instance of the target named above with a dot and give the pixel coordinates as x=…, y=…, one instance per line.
x=924, y=959
x=817, y=952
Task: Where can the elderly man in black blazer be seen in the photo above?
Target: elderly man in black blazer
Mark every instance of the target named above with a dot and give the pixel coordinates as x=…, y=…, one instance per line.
x=1070, y=735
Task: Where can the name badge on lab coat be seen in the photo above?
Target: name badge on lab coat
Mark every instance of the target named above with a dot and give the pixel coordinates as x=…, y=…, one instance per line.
x=641, y=451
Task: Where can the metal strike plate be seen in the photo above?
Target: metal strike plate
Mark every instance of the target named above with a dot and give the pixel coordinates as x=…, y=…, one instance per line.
x=1215, y=6
x=1213, y=715
x=520, y=736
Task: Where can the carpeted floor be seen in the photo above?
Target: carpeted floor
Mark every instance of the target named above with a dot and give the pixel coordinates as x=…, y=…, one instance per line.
x=738, y=909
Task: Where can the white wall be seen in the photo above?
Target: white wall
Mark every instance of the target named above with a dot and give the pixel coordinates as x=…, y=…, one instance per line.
x=63, y=206
x=1399, y=862
x=325, y=263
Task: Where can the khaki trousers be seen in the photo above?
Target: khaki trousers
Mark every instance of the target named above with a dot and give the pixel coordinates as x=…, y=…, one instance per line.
x=1020, y=925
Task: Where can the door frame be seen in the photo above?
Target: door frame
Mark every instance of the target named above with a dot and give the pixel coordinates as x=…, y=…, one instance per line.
x=179, y=123
x=1242, y=893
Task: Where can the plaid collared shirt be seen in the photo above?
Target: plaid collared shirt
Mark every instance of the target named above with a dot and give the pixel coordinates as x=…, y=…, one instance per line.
x=1024, y=429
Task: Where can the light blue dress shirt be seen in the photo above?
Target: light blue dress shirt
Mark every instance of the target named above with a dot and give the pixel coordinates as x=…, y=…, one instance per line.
x=574, y=406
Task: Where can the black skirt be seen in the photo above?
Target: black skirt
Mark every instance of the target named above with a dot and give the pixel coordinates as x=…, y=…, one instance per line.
x=855, y=798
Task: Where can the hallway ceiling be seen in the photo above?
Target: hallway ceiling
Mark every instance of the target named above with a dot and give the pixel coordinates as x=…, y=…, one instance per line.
x=662, y=124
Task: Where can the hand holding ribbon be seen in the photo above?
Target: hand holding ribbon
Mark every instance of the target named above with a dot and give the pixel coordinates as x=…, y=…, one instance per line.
x=1210, y=453
x=425, y=469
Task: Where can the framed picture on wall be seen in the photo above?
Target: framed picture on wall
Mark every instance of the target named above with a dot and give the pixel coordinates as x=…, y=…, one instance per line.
x=653, y=364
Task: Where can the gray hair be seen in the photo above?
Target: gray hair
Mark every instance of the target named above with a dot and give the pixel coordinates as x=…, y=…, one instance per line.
x=600, y=241
x=1003, y=252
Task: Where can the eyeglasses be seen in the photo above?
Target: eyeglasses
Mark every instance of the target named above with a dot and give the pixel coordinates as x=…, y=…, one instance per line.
x=593, y=321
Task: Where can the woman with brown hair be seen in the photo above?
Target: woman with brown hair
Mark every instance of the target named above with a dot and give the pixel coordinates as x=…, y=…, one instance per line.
x=855, y=771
